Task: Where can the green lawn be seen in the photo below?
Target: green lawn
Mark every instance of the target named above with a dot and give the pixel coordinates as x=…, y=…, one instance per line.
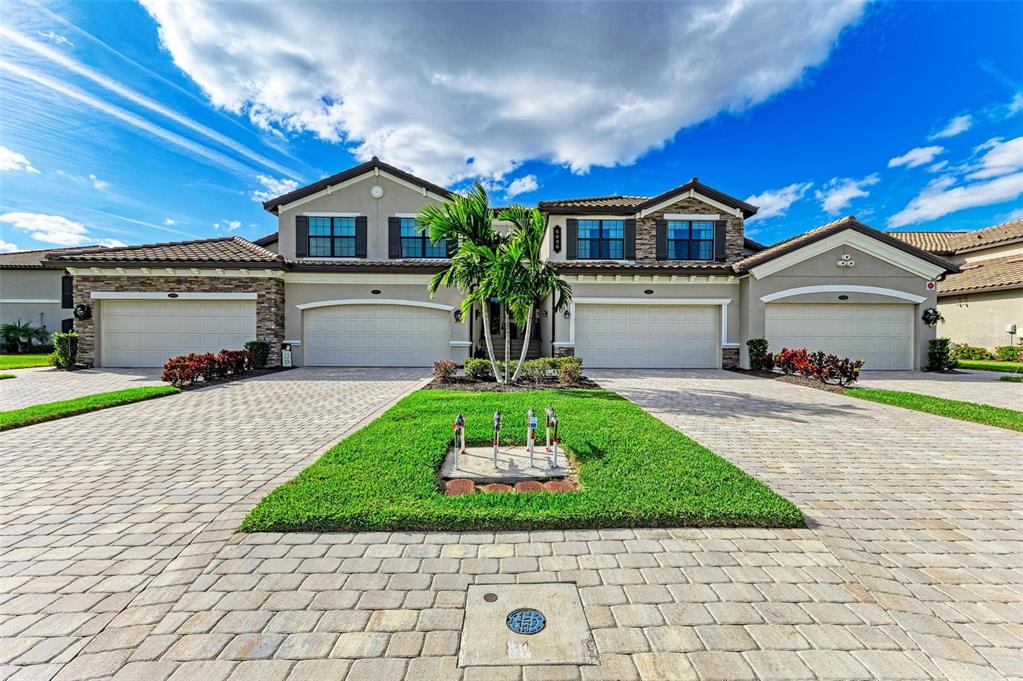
x=3, y=376
x=58, y=410
x=24, y=361
x=1011, y=379
x=964, y=411
x=991, y=365
x=635, y=471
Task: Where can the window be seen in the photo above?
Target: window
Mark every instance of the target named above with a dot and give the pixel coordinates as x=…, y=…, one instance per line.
x=67, y=292
x=601, y=239
x=331, y=237
x=417, y=244
x=690, y=240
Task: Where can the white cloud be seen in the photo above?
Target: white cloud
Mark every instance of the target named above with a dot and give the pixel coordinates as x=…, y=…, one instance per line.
x=7, y=247
x=522, y=185
x=1001, y=158
x=1016, y=105
x=55, y=37
x=52, y=229
x=956, y=125
x=916, y=157
x=1013, y=215
x=272, y=187
x=12, y=160
x=455, y=91
x=937, y=167
x=169, y=222
x=111, y=243
x=942, y=197
x=227, y=225
x=98, y=183
x=775, y=202
x=838, y=193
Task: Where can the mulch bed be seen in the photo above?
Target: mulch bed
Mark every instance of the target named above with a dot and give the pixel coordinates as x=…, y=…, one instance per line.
x=795, y=380
x=467, y=384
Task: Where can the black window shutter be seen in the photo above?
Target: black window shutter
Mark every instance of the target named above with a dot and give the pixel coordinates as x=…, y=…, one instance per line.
x=630, y=239
x=661, y=230
x=301, y=236
x=393, y=237
x=361, y=226
x=719, y=239
x=67, y=292
x=572, y=236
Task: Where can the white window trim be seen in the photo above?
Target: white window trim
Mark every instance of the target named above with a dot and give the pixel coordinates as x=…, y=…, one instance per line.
x=407, y=216
x=333, y=215
x=461, y=344
x=673, y=217
x=842, y=288
x=375, y=301
x=165, y=295
x=30, y=301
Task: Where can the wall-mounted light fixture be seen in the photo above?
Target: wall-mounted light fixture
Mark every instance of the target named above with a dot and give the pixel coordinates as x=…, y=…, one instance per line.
x=568, y=314
x=457, y=314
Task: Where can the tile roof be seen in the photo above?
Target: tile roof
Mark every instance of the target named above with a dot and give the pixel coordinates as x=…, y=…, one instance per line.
x=996, y=273
x=571, y=266
x=935, y=242
x=990, y=236
x=38, y=260
x=613, y=201
x=226, y=250
x=824, y=231
x=266, y=240
x=631, y=204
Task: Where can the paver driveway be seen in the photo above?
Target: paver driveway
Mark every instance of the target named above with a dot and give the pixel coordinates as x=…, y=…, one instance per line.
x=911, y=569
x=968, y=386
x=46, y=384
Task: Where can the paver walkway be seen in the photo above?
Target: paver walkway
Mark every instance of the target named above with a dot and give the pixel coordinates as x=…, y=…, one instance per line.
x=912, y=566
x=968, y=386
x=46, y=384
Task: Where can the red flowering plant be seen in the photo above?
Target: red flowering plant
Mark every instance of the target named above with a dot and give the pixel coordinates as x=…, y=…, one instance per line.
x=795, y=361
x=187, y=370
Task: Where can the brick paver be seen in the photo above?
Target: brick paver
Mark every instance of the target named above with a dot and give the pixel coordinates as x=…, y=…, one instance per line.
x=968, y=386
x=910, y=567
x=45, y=384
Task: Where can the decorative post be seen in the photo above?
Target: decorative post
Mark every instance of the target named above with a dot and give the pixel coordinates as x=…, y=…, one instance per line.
x=497, y=435
x=549, y=412
x=459, y=427
x=531, y=433
x=554, y=427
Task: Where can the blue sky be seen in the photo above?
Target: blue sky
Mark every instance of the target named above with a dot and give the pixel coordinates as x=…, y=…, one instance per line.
x=162, y=121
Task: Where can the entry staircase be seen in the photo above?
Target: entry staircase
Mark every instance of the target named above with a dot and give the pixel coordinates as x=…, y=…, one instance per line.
x=532, y=352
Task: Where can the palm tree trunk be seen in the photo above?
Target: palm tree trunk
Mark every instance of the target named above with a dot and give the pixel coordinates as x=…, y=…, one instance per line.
x=507, y=344
x=525, y=345
x=490, y=344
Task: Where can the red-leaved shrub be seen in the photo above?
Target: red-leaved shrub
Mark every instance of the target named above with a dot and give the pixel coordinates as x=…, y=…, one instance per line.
x=826, y=367
x=185, y=370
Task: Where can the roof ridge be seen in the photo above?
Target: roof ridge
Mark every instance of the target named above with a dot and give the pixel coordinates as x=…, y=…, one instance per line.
x=257, y=248
x=118, y=249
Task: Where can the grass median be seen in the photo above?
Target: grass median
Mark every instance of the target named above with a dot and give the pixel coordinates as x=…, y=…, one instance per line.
x=24, y=361
x=38, y=413
x=991, y=365
x=956, y=409
x=634, y=471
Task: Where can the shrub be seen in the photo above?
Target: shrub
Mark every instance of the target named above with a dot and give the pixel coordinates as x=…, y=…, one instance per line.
x=794, y=361
x=478, y=369
x=1009, y=353
x=512, y=365
x=537, y=370
x=65, y=350
x=964, y=351
x=236, y=361
x=186, y=370
x=831, y=368
x=940, y=356
x=759, y=358
x=570, y=370
x=445, y=369
x=260, y=351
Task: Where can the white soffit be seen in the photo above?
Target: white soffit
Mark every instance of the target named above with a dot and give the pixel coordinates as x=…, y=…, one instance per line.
x=857, y=240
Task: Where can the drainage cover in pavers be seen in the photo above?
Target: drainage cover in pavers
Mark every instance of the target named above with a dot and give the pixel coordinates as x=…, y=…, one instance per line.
x=503, y=626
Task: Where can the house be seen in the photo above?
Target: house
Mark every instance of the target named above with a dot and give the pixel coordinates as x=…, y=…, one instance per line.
x=36, y=290
x=663, y=281
x=986, y=296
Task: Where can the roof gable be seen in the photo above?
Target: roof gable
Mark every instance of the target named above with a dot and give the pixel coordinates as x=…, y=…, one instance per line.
x=618, y=204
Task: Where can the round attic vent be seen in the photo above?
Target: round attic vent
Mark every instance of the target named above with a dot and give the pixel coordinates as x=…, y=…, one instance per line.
x=376, y=191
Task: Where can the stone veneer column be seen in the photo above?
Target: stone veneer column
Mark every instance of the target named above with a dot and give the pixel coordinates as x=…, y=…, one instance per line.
x=646, y=231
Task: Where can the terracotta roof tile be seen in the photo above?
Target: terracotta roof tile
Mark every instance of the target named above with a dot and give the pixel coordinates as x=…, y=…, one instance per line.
x=996, y=273
x=614, y=201
x=630, y=204
x=225, y=250
x=36, y=260
x=935, y=242
x=990, y=236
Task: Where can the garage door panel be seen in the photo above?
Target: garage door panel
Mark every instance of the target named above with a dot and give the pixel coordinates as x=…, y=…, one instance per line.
x=881, y=335
x=648, y=336
x=376, y=335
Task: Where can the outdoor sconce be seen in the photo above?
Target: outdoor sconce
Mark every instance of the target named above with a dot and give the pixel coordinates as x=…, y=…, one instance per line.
x=457, y=314
x=567, y=314
x=544, y=313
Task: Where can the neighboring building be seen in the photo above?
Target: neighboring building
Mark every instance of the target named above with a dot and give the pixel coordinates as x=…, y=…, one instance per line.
x=37, y=290
x=662, y=281
x=986, y=296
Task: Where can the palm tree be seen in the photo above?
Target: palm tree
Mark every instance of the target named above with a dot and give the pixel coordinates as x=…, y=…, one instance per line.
x=527, y=276
x=468, y=221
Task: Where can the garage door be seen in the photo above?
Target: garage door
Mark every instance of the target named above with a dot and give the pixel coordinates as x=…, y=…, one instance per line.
x=651, y=336
x=880, y=335
x=146, y=333
x=376, y=335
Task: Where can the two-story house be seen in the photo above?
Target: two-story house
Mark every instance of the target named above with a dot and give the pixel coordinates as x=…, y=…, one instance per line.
x=663, y=281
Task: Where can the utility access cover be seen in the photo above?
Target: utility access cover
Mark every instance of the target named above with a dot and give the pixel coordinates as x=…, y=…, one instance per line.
x=525, y=624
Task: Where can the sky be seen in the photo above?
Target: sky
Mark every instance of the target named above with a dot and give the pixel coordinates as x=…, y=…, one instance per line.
x=124, y=122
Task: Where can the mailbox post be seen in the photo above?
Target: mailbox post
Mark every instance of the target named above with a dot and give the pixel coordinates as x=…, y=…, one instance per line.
x=459, y=427
x=530, y=433
x=497, y=435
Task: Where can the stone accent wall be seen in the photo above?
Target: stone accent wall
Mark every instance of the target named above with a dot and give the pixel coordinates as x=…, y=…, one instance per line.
x=269, y=303
x=729, y=358
x=646, y=231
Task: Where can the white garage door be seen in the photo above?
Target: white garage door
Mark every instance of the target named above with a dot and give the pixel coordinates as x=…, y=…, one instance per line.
x=650, y=336
x=146, y=333
x=376, y=335
x=880, y=335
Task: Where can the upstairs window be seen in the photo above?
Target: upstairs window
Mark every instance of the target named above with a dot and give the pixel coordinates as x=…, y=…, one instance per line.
x=67, y=292
x=417, y=244
x=690, y=240
x=601, y=240
x=331, y=237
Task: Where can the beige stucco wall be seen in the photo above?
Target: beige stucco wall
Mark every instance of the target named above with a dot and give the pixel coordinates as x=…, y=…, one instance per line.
x=301, y=288
x=980, y=318
x=823, y=270
x=988, y=253
x=355, y=198
x=42, y=287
